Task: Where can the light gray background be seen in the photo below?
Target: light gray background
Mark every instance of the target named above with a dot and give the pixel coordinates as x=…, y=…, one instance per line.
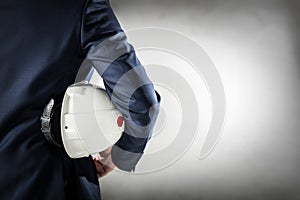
x=255, y=46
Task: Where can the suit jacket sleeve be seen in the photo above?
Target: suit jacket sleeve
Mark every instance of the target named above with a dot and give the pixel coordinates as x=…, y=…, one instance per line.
x=105, y=46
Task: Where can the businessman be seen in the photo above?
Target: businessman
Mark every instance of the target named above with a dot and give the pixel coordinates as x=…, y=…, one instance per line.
x=44, y=46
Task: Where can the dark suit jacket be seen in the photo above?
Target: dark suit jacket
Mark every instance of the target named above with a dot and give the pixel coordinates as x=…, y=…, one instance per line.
x=42, y=46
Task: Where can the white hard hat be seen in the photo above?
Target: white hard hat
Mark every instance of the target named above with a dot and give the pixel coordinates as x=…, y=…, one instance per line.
x=90, y=123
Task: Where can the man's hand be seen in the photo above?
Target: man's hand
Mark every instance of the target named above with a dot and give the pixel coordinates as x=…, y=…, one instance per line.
x=103, y=162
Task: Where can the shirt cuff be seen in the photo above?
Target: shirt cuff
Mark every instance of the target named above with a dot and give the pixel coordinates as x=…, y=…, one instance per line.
x=127, y=151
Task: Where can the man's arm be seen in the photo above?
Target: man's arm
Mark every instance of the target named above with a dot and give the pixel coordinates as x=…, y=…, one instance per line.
x=105, y=46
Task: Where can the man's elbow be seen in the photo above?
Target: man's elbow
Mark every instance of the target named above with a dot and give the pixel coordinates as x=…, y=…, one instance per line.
x=144, y=106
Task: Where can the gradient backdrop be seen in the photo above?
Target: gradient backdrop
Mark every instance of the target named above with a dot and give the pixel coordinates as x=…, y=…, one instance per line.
x=255, y=46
